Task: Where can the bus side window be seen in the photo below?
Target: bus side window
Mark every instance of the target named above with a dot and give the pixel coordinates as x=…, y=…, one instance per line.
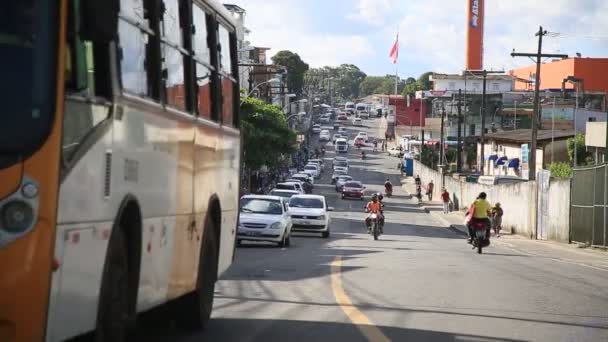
x=172, y=56
x=202, y=59
x=134, y=34
x=226, y=75
x=88, y=87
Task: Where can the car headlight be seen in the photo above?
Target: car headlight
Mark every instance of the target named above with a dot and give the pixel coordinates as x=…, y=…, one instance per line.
x=276, y=225
x=322, y=217
x=16, y=216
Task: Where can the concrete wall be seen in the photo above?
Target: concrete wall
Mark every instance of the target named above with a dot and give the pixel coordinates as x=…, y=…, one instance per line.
x=558, y=218
x=519, y=201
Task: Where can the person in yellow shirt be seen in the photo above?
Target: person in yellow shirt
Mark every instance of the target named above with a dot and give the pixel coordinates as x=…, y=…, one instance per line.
x=482, y=210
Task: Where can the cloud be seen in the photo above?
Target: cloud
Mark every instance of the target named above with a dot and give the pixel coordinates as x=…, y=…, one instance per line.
x=372, y=11
x=288, y=25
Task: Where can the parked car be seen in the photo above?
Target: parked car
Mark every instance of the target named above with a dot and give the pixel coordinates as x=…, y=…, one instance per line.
x=342, y=117
x=319, y=162
x=342, y=130
x=357, y=122
x=324, y=135
x=287, y=194
x=337, y=173
x=341, y=146
x=311, y=174
x=353, y=189
x=314, y=168
x=395, y=152
x=290, y=186
x=310, y=213
x=341, y=181
x=364, y=115
x=304, y=177
x=325, y=119
x=316, y=128
x=264, y=218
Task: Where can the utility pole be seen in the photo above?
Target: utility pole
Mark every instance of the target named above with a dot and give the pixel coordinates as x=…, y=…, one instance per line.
x=483, y=124
x=441, y=147
x=536, y=114
x=459, y=145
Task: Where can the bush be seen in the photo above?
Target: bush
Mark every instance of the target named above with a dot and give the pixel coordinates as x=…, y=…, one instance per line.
x=561, y=170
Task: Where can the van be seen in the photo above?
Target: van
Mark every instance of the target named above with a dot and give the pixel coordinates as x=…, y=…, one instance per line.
x=499, y=180
x=341, y=146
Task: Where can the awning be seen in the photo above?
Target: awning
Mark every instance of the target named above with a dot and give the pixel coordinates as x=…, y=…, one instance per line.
x=513, y=163
x=491, y=157
x=501, y=161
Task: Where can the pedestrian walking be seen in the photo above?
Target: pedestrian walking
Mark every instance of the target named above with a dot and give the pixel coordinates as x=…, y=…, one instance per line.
x=429, y=190
x=497, y=213
x=445, y=198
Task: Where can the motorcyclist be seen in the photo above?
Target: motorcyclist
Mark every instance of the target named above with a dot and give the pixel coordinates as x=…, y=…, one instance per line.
x=388, y=186
x=374, y=206
x=323, y=151
x=375, y=145
x=362, y=154
x=482, y=210
x=307, y=187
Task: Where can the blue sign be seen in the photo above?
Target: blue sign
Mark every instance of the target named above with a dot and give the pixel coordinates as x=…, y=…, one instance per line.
x=525, y=151
x=475, y=13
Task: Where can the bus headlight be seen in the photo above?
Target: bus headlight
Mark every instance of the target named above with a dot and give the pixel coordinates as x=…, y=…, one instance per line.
x=16, y=216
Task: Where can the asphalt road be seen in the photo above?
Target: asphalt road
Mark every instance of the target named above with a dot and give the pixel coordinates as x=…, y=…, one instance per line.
x=419, y=282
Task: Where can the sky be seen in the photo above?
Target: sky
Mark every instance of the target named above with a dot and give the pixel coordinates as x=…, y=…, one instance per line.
x=431, y=32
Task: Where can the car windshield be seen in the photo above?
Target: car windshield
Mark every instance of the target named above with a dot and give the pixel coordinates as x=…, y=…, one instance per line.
x=341, y=163
x=300, y=202
x=344, y=178
x=310, y=167
x=261, y=206
x=286, y=186
x=28, y=34
x=353, y=185
x=341, y=142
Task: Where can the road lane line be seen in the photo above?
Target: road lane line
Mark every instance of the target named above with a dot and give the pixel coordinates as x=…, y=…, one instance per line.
x=363, y=323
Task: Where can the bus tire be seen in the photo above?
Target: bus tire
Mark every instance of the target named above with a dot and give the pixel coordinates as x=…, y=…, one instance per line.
x=113, y=310
x=195, y=311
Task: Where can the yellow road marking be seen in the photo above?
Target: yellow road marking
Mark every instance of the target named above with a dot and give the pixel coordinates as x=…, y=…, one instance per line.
x=363, y=323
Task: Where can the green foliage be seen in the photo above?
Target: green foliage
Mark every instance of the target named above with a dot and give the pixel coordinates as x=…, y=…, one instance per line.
x=266, y=135
x=429, y=157
x=561, y=169
x=424, y=82
x=295, y=69
x=412, y=85
x=583, y=157
x=380, y=85
x=345, y=81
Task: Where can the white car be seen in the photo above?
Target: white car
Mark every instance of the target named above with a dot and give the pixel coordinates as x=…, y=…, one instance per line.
x=319, y=162
x=362, y=135
x=302, y=176
x=364, y=115
x=286, y=194
x=325, y=119
x=310, y=213
x=290, y=186
x=324, y=135
x=394, y=152
x=338, y=158
x=357, y=122
x=316, y=128
x=342, y=130
x=264, y=218
x=313, y=167
x=335, y=137
x=340, y=169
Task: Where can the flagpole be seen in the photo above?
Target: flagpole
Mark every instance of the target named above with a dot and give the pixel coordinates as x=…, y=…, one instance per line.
x=397, y=65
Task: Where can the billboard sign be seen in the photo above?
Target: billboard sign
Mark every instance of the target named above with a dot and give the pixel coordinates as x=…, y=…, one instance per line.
x=474, y=13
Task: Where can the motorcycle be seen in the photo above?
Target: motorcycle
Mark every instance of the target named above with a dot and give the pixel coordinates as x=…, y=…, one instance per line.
x=388, y=190
x=375, y=231
x=480, y=238
x=362, y=155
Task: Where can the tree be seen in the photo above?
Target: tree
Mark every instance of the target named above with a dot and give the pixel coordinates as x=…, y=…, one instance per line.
x=266, y=135
x=295, y=69
x=582, y=155
x=380, y=85
x=412, y=85
x=561, y=169
x=343, y=81
x=423, y=81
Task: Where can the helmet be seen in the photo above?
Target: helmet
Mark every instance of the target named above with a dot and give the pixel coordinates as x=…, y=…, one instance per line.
x=380, y=197
x=374, y=196
x=482, y=195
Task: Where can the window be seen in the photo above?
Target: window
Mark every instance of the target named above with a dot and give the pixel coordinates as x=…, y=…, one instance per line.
x=134, y=36
x=227, y=84
x=202, y=60
x=225, y=53
x=173, y=56
x=495, y=86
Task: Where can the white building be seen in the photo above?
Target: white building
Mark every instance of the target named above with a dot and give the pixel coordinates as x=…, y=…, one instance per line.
x=243, y=46
x=472, y=84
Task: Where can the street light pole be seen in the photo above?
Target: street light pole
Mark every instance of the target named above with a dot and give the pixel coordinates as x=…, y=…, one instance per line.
x=260, y=84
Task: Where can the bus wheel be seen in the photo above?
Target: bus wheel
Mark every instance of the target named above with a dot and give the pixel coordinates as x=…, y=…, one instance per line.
x=196, y=309
x=113, y=310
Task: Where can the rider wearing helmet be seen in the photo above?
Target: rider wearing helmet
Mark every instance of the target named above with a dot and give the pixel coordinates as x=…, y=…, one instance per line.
x=482, y=210
x=374, y=206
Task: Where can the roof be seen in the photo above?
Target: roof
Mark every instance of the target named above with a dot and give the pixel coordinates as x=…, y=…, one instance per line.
x=276, y=198
x=471, y=76
x=522, y=136
x=310, y=196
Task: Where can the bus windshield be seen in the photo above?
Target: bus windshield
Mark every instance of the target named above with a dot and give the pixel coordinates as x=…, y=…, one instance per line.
x=27, y=37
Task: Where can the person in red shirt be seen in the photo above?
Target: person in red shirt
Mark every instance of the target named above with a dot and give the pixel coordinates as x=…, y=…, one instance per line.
x=445, y=198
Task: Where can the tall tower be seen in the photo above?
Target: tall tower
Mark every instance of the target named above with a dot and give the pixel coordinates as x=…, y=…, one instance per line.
x=474, y=51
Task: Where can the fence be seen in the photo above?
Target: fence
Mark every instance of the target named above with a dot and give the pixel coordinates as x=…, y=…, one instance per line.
x=588, y=205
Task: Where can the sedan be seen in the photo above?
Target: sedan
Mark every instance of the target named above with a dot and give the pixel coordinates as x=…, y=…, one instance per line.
x=353, y=189
x=316, y=128
x=297, y=186
x=310, y=213
x=338, y=173
x=395, y=152
x=342, y=118
x=338, y=168
x=314, y=169
x=303, y=177
x=286, y=194
x=341, y=181
x=357, y=122
x=324, y=135
x=363, y=135
x=264, y=218
x=359, y=142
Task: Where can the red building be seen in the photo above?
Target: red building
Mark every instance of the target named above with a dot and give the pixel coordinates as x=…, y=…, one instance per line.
x=408, y=115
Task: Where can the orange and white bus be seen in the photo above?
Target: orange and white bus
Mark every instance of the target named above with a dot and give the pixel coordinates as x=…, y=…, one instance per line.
x=119, y=163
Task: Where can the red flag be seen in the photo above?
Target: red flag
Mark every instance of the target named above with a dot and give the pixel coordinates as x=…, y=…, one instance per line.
x=395, y=51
